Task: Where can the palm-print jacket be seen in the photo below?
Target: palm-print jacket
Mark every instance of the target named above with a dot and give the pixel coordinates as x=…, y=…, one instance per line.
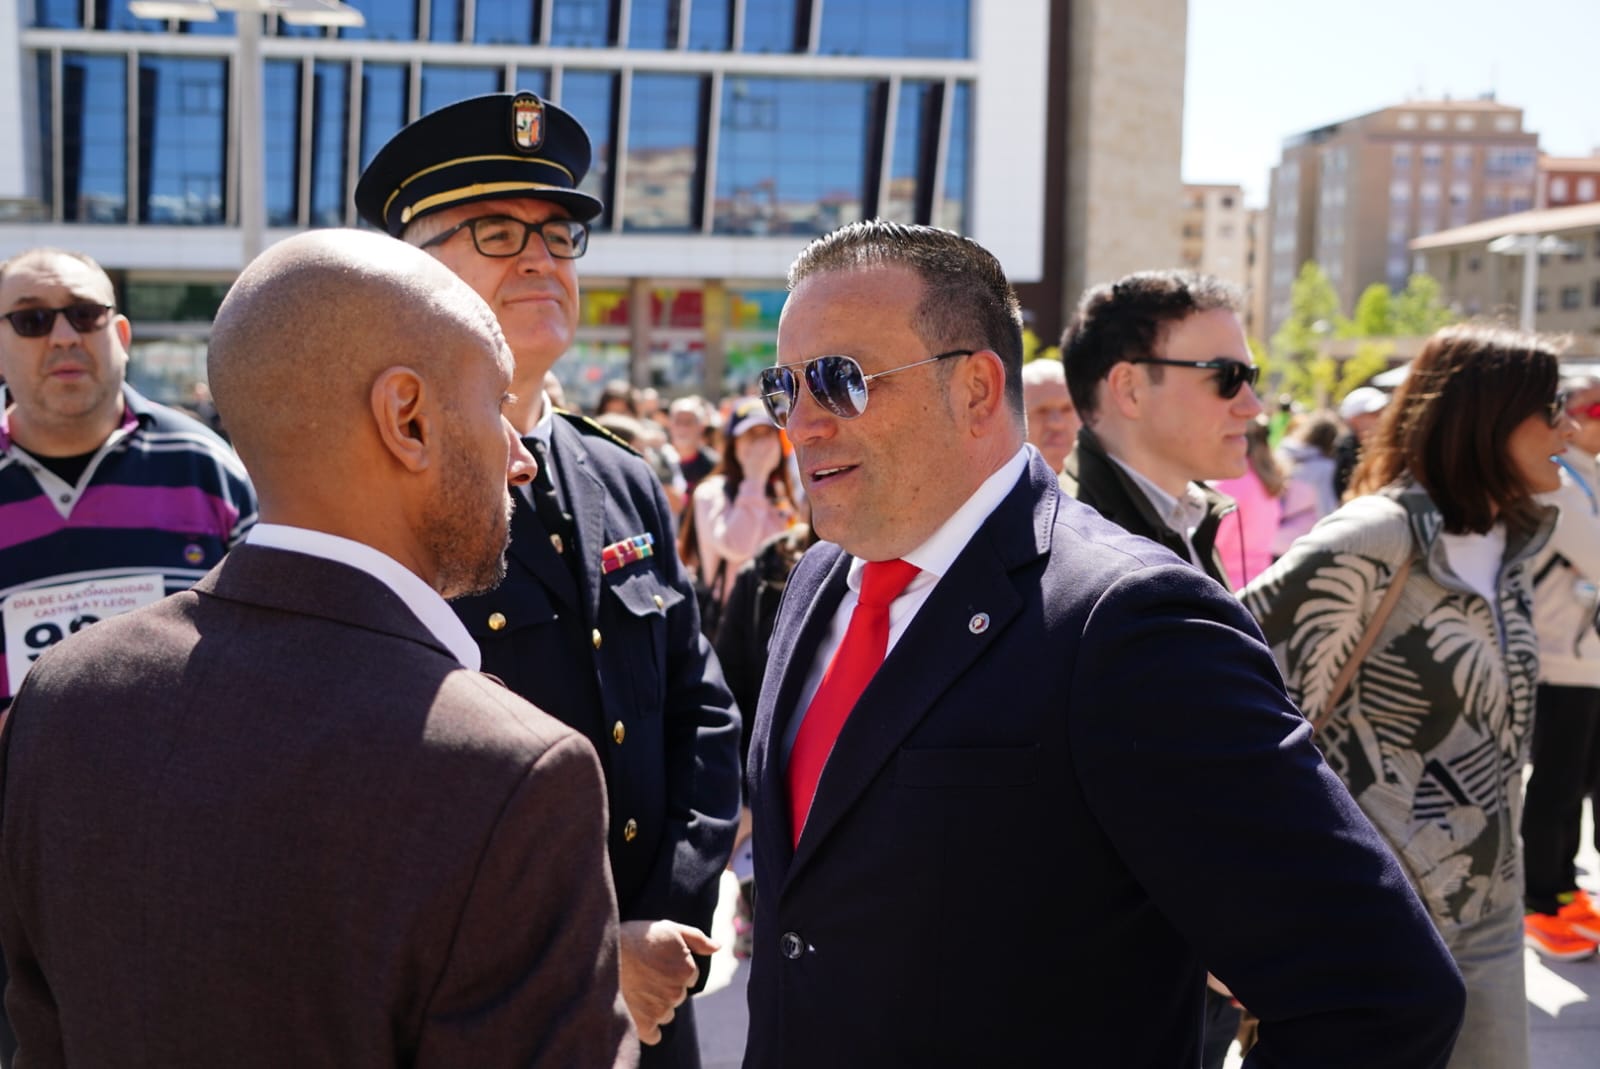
x=1432, y=733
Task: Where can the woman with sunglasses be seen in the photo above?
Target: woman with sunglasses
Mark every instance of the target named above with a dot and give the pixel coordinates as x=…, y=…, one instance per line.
x=1431, y=733
x=1562, y=923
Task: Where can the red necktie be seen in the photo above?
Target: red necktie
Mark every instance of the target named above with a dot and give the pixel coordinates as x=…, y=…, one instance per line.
x=866, y=641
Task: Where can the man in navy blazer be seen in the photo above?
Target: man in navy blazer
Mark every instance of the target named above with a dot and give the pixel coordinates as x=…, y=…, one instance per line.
x=1075, y=783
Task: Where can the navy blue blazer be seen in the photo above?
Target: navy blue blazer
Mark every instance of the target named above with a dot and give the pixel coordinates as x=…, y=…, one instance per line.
x=619, y=656
x=1075, y=784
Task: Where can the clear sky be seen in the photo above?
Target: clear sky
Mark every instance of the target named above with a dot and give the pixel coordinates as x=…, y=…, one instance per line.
x=1262, y=70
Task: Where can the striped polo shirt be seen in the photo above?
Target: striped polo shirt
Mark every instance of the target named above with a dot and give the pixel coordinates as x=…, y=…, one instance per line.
x=158, y=505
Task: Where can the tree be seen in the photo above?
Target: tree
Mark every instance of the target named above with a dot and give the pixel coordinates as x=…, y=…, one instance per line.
x=1419, y=309
x=1031, y=350
x=1307, y=374
x=1371, y=358
x=1374, y=314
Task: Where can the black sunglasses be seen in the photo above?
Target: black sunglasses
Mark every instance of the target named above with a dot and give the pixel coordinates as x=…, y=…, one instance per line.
x=837, y=383
x=1231, y=374
x=1555, y=413
x=501, y=236
x=85, y=317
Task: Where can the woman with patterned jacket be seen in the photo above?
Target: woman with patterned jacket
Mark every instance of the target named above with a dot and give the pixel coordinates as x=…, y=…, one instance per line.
x=1432, y=733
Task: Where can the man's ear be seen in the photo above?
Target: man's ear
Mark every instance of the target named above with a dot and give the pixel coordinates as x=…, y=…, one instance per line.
x=1122, y=390
x=403, y=417
x=984, y=379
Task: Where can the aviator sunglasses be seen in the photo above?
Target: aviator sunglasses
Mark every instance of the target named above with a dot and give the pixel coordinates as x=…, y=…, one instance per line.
x=1231, y=375
x=837, y=383
x=85, y=317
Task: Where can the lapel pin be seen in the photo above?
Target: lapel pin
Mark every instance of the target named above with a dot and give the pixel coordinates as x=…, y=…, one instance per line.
x=979, y=623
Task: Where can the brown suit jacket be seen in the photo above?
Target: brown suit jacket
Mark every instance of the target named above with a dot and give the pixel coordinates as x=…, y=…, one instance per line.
x=271, y=822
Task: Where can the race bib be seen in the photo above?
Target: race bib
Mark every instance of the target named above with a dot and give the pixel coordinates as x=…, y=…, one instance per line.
x=37, y=619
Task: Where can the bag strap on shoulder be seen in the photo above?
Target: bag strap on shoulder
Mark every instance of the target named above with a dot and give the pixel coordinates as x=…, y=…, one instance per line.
x=1341, y=683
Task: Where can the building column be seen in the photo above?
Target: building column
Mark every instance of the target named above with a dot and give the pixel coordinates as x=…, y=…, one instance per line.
x=714, y=312
x=639, y=331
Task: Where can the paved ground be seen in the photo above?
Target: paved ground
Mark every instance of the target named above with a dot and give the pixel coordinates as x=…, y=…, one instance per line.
x=1563, y=999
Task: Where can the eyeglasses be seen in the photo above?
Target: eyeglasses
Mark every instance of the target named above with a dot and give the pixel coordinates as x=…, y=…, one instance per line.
x=1555, y=413
x=1231, y=374
x=836, y=382
x=1586, y=412
x=501, y=236
x=85, y=317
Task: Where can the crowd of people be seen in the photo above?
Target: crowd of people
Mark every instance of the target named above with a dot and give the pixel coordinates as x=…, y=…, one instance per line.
x=418, y=726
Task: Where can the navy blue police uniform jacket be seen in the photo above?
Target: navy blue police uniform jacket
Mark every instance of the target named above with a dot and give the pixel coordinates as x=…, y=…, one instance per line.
x=1074, y=785
x=618, y=655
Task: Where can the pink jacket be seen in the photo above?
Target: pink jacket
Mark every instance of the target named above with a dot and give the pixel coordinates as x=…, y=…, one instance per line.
x=1244, y=537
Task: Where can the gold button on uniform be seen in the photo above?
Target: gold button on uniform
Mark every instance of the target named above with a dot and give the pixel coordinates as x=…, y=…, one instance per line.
x=497, y=621
x=595, y=638
x=618, y=733
x=630, y=830
x=659, y=603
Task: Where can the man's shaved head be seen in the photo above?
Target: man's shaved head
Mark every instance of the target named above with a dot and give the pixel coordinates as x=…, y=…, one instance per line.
x=311, y=323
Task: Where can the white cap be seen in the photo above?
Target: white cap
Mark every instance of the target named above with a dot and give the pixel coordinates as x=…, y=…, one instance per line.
x=1362, y=401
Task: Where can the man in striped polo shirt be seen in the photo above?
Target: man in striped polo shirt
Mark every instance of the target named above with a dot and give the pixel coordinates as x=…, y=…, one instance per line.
x=107, y=500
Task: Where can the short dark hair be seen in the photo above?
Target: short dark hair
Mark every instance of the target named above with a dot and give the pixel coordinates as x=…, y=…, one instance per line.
x=1449, y=423
x=1124, y=320
x=967, y=302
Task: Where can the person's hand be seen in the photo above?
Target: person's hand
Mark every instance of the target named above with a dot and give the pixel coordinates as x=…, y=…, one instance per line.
x=759, y=455
x=657, y=969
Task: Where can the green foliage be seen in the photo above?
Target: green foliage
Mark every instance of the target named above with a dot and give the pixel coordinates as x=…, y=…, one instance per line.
x=1374, y=315
x=1313, y=316
x=1372, y=358
x=1031, y=350
x=1419, y=309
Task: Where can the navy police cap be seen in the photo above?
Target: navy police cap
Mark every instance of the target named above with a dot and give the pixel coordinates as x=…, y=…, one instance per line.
x=504, y=145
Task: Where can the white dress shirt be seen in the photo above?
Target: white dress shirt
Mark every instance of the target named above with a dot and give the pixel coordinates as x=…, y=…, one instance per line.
x=1182, y=514
x=432, y=611
x=933, y=559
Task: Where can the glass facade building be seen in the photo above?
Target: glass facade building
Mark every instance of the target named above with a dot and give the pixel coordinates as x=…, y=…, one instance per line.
x=715, y=124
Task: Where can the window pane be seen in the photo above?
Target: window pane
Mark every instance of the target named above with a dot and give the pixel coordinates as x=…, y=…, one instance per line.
x=581, y=24
x=58, y=14
x=221, y=26
x=281, y=80
x=505, y=22
x=534, y=80
x=47, y=154
x=183, y=138
x=909, y=192
x=387, y=20
x=114, y=15
x=444, y=18
x=383, y=106
x=955, y=212
x=653, y=24
x=928, y=28
x=792, y=156
x=710, y=25
x=94, y=138
x=330, y=119
x=666, y=137
x=591, y=97
x=446, y=85
x=773, y=26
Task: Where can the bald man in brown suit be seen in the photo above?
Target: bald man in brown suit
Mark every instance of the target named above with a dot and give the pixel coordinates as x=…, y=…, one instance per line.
x=276, y=820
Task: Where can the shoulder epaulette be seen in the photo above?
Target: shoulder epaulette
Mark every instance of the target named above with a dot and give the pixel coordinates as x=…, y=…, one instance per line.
x=587, y=426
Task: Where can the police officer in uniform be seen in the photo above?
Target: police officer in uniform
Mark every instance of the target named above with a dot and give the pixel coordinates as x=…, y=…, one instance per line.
x=596, y=622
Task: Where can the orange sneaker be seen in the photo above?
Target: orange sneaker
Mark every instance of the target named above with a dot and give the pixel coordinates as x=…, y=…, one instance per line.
x=1554, y=938
x=1577, y=910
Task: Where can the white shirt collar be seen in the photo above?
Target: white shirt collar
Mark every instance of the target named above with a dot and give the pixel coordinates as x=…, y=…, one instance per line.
x=935, y=556
x=424, y=602
x=1182, y=514
x=547, y=420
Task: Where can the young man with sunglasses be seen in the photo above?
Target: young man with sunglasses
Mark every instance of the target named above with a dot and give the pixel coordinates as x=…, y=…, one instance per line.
x=108, y=500
x=986, y=704
x=1164, y=383
x=596, y=621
